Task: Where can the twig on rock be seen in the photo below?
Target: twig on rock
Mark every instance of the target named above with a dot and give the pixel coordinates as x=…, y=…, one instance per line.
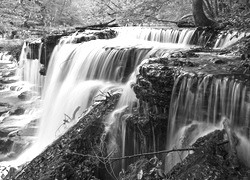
x=108, y=158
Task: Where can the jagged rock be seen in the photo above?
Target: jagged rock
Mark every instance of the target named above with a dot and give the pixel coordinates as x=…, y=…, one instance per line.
x=156, y=78
x=3, y=134
x=9, y=74
x=154, y=83
x=219, y=61
x=8, y=80
x=144, y=168
x=4, y=110
x=209, y=161
x=16, y=88
x=17, y=111
x=154, y=86
x=4, y=107
x=43, y=70
x=5, y=146
x=65, y=158
x=2, y=86
x=26, y=95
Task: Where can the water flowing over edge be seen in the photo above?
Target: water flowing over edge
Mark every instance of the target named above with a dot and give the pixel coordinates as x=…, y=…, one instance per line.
x=78, y=72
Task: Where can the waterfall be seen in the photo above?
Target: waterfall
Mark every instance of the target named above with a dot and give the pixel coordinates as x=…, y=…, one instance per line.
x=29, y=65
x=202, y=102
x=79, y=73
x=226, y=39
x=100, y=61
x=179, y=36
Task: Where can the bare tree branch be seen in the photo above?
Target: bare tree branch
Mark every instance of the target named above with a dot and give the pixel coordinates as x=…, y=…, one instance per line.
x=108, y=158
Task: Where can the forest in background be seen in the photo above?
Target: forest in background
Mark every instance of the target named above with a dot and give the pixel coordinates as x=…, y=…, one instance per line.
x=30, y=14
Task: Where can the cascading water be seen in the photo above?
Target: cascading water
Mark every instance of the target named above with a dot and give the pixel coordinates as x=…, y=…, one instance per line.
x=103, y=62
x=159, y=35
x=198, y=105
x=22, y=107
x=226, y=39
x=29, y=65
x=177, y=36
x=77, y=74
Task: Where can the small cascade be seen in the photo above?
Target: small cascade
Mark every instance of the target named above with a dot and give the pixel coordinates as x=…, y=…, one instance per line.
x=29, y=65
x=5, y=57
x=226, y=39
x=19, y=110
x=179, y=36
x=183, y=36
x=198, y=105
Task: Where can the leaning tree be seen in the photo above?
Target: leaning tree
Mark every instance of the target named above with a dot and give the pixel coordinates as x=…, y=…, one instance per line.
x=200, y=18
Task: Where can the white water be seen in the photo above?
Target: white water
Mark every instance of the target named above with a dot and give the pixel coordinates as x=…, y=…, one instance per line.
x=176, y=36
x=95, y=65
x=207, y=100
x=227, y=39
x=28, y=70
x=181, y=36
x=78, y=72
x=185, y=136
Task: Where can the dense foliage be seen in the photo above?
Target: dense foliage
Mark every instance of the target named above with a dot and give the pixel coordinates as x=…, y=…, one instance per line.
x=233, y=13
x=55, y=13
x=137, y=12
x=33, y=13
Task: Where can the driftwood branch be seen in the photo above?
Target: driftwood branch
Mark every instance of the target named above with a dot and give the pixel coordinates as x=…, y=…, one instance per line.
x=153, y=153
x=179, y=23
x=223, y=143
x=108, y=158
x=233, y=142
x=185, y=16
x=100, y=25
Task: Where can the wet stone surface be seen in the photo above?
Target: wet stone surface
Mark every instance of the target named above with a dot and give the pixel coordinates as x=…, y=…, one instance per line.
x=210, y=160
x=70, y=156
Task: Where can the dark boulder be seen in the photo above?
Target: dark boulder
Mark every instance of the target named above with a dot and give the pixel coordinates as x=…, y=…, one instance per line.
x=26, y=95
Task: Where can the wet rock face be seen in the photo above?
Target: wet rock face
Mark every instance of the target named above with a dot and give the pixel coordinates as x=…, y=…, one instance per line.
x=4, y=107
x=209, y=161
x=5, y=146
x=156, y=78
x=154, y=87
x=72, y=156
x=154, y=83
x=17, y=111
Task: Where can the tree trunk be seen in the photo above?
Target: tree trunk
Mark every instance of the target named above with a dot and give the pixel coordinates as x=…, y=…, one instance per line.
x=216, y=7
x=200, y=19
